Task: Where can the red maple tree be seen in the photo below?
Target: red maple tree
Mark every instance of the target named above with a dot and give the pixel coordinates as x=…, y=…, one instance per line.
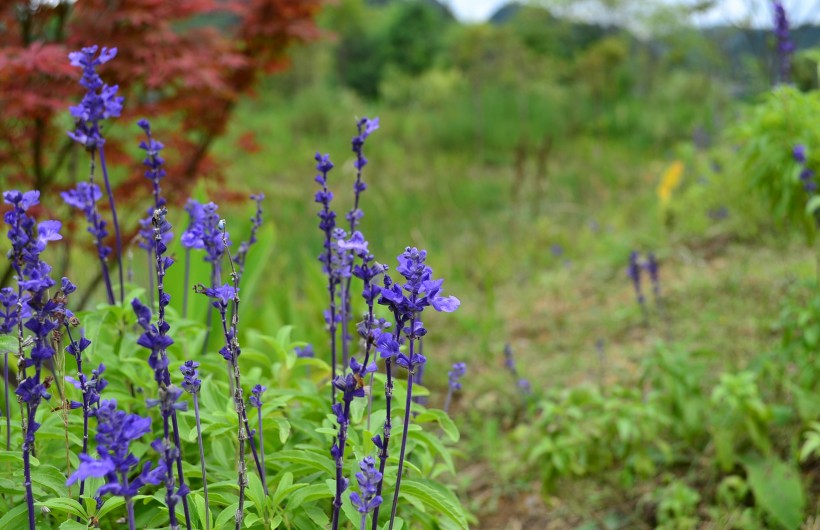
x=187, y=61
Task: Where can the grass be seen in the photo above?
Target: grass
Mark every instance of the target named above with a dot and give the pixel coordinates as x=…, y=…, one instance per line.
x=489, y=233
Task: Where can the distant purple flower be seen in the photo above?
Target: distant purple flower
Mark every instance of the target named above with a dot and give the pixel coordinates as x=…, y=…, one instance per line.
x=84, y=197
x=304, y=352
x=557, y=250
x=633, y=271
x=522, y=383
x=192, y=237
x=245, y=246
x=454, y=382
x=100, y=101
x=799, y=153
x=454, y=376
x=365, y=127
x=785, y=45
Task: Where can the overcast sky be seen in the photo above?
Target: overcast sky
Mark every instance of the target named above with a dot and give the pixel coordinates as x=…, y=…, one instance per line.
x=725, y=11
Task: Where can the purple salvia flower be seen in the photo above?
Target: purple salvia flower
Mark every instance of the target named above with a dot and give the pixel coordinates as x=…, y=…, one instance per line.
x=327, y=223
x=116, y=463
x=799, y=153
x=785, y=44
x=245, y=246
x=231, y=351
x=191, y=384
x=357, y=245
x=84, y=197
x=365, y=128
x=204, y=232
x=633, y=271
x=806, y=173
x=44, y=315
x=304, y=352
x=351, y=387
x=99, y=103
x=90, y=389
x=509, y=363
x=454, y=382
x=256, y=401
x=190, y=377
x=407, y=302
x=368, y=479
x=155, y=338
x=155, y=172
x=189, y=240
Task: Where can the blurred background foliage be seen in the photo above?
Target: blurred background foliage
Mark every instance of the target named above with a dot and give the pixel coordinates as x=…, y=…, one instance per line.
x=530, y=154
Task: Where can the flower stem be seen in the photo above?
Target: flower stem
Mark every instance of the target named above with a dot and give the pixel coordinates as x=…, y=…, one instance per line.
x=262, y=450
x=202, y=463
x=337, y=501
x=109, y=291
x=6, y=390
x=115, y=221
x=175, y=424
x=407, y=403
x=29, y=494
x=388, y=423
x=186, y=283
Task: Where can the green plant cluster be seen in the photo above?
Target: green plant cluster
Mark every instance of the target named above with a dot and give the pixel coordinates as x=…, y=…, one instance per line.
x=733, y=447
x=298, y=431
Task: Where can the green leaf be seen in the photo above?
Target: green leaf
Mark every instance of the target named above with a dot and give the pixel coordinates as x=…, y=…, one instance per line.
x=440, y=417
x=16, y=517
x=64, y=505
x=51, y=478
x=282, y=488
x=438, y=499
x=778, y=491
x=8, y=344
x=226, y=516
x=109, y=505
x=256, y=493
x=71, y=524
x=284, y=429
x=307, y=494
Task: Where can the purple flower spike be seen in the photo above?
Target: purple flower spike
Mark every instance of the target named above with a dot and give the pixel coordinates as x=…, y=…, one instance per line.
x=785, y=44
x=256, y=395
x=368, y=479
x=190, y=374
x=100, y=101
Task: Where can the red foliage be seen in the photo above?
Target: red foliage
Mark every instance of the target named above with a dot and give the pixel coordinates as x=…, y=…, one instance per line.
x=187, y=60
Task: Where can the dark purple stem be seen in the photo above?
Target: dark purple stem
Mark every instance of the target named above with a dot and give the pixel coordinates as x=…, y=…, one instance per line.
x=86, y=406
x=109, y=291
x=8, y=408
x=115, y=221
x=29, y=494
x=337, y=501
x=388, y=423
x=202, y=463
x=407, y=403
x=262, y=449
x=179, y=469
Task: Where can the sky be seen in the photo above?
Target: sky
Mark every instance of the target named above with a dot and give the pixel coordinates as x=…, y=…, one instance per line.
x=724, y=11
